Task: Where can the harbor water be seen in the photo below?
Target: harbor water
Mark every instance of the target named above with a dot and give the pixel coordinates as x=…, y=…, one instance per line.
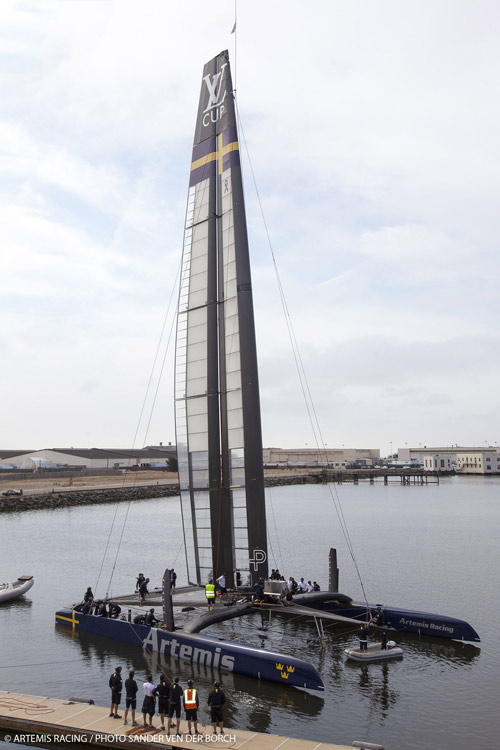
x=433, y=547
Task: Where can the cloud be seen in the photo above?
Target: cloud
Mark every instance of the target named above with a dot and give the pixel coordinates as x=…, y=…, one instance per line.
x=372, y=134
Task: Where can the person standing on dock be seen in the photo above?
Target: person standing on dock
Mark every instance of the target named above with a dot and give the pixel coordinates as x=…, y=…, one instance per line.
x=191, y=704
x=148, y=705
x=140, y=581
x=363, y=638
x=173, y=579
x=174, y=706
x=216, y=700
x=115, y=683
x=162, y=690
x=131, y=689
x=210, y=594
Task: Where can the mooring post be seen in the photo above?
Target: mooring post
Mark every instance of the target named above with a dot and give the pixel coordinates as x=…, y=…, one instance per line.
x=168, y=610
x=333, y=577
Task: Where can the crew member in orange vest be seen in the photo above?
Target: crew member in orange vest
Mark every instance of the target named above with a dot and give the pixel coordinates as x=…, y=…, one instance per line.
x=191, y=704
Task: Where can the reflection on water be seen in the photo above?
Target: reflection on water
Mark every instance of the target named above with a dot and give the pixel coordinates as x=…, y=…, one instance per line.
x=259, y=698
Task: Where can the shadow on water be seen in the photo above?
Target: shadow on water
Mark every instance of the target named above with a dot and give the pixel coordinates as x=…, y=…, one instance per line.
x=16, y=604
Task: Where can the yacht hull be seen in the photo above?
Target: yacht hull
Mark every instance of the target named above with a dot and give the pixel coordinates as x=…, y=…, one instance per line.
x=201, y=649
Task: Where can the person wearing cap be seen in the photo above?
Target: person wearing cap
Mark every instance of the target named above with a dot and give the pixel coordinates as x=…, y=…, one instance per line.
x=210, y=594
x=115, y=683
x=216, y=700
x=174, y=706
x=191, y=704
x=150, y=618
x=378, y=618
x=162, y=690
x=131, y=689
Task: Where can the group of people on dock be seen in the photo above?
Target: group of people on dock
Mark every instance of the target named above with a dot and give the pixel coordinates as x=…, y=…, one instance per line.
x=171, y=697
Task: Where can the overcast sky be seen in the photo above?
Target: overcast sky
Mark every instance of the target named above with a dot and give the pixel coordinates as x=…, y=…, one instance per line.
x=373, y=132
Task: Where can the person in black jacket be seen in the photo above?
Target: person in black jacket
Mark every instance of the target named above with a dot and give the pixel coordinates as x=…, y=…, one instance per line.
x=88, y=596
x=150, y=618
x=174, y=706
x=143, y=590
x=162, y=690
x=115, y=683
x=131, y=689
x=216, y=700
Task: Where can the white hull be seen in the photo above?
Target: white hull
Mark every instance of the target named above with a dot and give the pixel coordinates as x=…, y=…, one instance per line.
x=374, y=653
x=15, y=589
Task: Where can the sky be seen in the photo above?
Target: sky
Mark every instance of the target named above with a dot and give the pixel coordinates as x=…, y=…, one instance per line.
x=372, y=165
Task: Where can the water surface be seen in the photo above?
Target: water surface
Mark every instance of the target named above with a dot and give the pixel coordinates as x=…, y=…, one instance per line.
x=434, y=547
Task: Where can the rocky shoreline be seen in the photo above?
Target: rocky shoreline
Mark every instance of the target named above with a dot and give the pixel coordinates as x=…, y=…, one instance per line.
x=118, y=495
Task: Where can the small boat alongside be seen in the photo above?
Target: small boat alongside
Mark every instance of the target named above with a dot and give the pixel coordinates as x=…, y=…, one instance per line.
x=16, y=589
x=375, y=652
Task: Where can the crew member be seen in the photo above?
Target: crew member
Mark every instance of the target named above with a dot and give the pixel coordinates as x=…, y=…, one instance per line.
x=131, y=689
x=216, y=700
x=148, y=705
x=221, y=580
x=363, y=638
x=150, y=618
x=210, y=594
x=162, y=690
x=191, y=704
x=115, y=683
x=174, y=706
x=114, y=609
x=143, y=590
x=88, y=596
x=140, y=581
x=173, y=579
x=378, y=618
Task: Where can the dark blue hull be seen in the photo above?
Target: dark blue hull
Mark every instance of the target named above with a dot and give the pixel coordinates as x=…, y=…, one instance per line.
x=395, y=618
x=201, y=649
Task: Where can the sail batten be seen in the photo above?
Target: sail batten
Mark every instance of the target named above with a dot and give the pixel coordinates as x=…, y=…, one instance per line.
x=217, y=399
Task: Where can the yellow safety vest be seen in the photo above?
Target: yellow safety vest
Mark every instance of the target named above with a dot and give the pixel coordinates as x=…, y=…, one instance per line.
x=210, y=591
x=190, y=698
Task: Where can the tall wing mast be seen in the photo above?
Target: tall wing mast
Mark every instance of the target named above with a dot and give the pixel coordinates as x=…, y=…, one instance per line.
x=219, y=436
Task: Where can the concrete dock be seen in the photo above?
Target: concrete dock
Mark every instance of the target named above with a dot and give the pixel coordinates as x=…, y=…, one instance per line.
x=35, y=720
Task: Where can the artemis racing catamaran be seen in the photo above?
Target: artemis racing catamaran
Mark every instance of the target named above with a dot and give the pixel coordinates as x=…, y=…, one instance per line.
x=219, y=443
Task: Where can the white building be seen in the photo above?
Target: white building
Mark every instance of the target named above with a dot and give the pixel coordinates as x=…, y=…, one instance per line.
x=461, y=459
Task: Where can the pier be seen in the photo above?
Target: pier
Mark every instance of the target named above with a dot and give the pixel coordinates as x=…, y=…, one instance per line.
x=34, y=719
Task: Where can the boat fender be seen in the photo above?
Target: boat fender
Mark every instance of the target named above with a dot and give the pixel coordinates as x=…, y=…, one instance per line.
x=391, y=644
x=367, y=745
x=187, y=609
x=82, y=700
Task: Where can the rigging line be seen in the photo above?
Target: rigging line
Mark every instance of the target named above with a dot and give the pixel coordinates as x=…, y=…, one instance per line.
x=269, y=494
x=313, y=418
x=167, y=314
x=271, y=546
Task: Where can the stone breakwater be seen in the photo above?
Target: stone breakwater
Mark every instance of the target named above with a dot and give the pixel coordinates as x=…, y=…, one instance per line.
x=75, y=498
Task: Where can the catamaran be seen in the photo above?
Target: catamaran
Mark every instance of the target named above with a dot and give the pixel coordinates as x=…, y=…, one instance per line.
x=218, y=426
